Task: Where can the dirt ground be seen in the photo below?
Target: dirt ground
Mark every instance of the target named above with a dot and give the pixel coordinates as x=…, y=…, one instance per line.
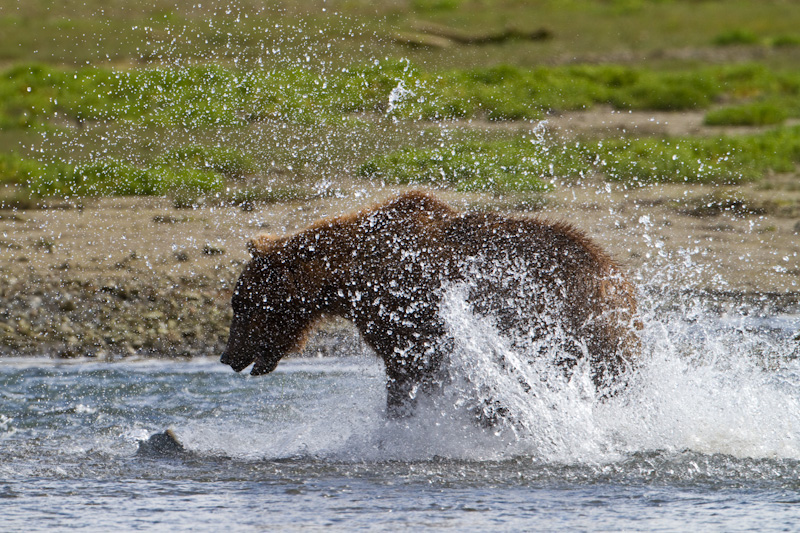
x=122, y=276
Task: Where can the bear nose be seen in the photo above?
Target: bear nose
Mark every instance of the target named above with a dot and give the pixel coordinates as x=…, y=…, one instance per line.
x=236, y=362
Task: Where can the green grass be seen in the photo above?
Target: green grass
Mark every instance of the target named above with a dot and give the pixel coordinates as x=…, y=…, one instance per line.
x=745, y=37
x=225, y=161
x=523, y=165
x=14, y=170
x=750, y=114
x=787, y=41
x=220, y=31
x=474, y=166
x=208, y=97
x=74, y=72
x=689, y=160
x=212, y=96
x=736, y=36
x=109, y=177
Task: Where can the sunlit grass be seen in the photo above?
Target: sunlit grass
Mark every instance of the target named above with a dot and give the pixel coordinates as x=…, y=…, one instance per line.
x=221, y=31
x=475, y=166
x=750, y=114
x=116, y=178
x=736, y=36
x=528, y=164
x=688, y=160
x=203, y=96
x=109, y=177
x=14, y=170
x=228, y=162
x=209, y=96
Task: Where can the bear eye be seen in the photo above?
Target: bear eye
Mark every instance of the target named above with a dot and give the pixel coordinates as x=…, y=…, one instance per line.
x=243, y=302
x=238, y=302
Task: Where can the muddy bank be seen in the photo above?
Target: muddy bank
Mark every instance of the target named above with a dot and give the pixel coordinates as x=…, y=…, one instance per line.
x=111, y=278
x=111, y=318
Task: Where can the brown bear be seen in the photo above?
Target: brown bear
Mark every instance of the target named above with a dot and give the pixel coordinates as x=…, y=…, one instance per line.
x=386, y=268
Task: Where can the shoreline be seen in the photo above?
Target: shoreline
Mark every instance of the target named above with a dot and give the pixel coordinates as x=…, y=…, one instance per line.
x=120, y=277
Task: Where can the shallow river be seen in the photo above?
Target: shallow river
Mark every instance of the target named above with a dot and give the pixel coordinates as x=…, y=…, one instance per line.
x=707, y=435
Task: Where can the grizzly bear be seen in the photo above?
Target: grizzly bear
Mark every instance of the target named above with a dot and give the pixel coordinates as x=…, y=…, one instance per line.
x=387, y=268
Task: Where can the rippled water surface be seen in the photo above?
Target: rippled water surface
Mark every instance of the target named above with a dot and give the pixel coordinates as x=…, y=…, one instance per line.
x=707, y=435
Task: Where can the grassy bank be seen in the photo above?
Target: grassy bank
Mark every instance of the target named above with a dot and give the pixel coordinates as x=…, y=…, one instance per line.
x=221, y=31
x=43, y=98
x=187, y=171
x=225, y=106
x=38, y=95
x=526, y=164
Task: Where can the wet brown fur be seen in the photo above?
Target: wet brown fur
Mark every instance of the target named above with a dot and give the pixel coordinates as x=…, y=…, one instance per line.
x=384, y=268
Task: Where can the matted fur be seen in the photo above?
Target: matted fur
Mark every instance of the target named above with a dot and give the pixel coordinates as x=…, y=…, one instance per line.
x=385, y=267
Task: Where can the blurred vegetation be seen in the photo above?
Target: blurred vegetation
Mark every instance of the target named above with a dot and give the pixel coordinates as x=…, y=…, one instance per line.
x=106, y=177
x=32, y=95
x=183, y=68
x=248, y=31
x=39, y=96
x=736, y=36
x=749, y=114
x=521, y=164
x=493, y=166
x=228, y=162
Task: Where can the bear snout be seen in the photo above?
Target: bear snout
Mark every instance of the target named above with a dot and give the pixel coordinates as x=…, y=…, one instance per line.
x=264, y=365
x=237, y=361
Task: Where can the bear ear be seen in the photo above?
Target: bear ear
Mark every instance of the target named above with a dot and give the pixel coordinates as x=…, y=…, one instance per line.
x=261, y=245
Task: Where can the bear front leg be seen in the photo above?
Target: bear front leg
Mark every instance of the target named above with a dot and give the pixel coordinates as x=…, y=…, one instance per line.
x=401, y=397
x=410, y=372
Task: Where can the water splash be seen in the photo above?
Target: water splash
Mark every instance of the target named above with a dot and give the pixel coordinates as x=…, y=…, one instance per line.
x=707, y=385
x=397, y=96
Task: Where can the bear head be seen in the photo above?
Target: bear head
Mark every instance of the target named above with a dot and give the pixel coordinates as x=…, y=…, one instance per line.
x=270, y=309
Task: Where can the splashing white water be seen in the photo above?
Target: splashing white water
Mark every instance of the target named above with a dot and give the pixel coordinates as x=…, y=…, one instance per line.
x=706, y=383
x=397, y=96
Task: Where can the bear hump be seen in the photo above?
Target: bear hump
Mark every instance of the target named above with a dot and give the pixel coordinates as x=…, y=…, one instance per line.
x=262, y=245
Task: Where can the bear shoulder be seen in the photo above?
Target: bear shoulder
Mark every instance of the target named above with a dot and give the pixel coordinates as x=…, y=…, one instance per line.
x=264, y=244
x=413, y=202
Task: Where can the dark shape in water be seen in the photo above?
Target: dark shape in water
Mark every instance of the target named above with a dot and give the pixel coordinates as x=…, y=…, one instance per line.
x=164, y=444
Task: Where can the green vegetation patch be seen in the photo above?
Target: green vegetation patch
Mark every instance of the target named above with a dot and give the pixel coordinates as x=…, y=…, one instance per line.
x=750, y=114
x=690, y=160
x=736, y=36
x=523, y=165
x=228, y=162
x=514, y=93
x=110, y=177
x=207, y=96
x=202, y=96
x=785, y=41
x=14, y=170
x=499, y=166
x=126, y=32
x=192, y=171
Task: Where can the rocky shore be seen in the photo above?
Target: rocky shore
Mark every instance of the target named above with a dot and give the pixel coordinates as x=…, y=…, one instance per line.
x=113, y=278
x=108, y=320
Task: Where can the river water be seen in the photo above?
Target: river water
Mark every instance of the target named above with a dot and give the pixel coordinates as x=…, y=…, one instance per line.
x=707, y=435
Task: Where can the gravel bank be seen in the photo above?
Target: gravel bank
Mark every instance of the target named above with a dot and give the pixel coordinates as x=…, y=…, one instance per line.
x=112, y=278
